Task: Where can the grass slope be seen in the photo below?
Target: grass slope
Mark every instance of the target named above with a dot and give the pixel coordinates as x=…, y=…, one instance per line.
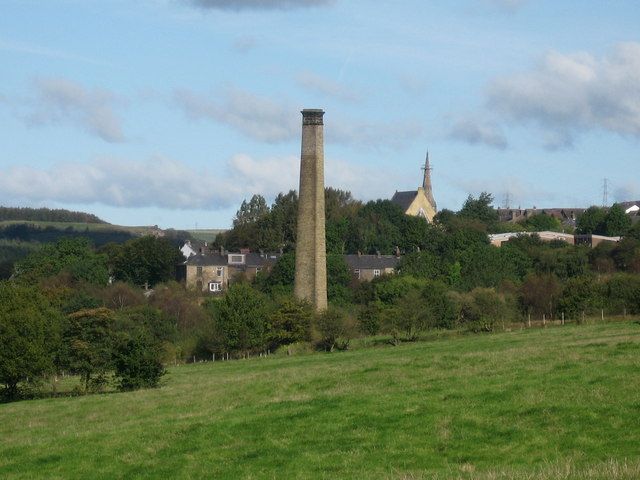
x=206, y=235
x=560, y=402
x=80, y=226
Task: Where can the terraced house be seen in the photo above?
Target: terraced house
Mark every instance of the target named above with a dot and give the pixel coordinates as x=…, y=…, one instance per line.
x=213, y=271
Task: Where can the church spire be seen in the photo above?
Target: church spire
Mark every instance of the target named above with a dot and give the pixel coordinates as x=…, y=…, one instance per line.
x=426, y=182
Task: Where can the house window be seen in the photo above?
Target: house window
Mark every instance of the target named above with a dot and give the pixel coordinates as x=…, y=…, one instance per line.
x=199, y=271
x=215, y=287
x=356, y=272
x=376, y=273
x=220, y=271
x=236, y=259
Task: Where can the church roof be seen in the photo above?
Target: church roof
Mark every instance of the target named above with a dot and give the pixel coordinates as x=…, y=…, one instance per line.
x=404, y=199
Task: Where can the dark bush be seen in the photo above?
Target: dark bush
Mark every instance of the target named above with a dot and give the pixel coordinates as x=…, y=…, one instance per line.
x=137, y=361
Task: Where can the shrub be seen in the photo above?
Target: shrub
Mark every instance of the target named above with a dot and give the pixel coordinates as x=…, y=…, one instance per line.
x=482, y=309
x=289, y=323
x=137, y=361
x=406, y=318
x=239, y=320
x=623, y=292
x=580, y=294
x=334, y=329
x=369, y=319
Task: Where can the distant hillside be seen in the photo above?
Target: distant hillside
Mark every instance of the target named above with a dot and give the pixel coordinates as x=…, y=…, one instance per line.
x=20, y=237
x=46, y=215
x=206, y=235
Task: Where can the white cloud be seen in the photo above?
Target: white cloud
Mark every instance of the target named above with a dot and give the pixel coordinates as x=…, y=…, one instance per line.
x=372, y=135
x=258, y=4
x=567, y=94
x=61, y=101
x=474, y=132
x=274, y=121
x=256, y=117
x=166, y=183
x=159, y=182
x=266, y=177
x=326, y=87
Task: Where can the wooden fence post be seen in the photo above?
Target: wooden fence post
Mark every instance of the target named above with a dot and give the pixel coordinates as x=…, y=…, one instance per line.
x=562, y=318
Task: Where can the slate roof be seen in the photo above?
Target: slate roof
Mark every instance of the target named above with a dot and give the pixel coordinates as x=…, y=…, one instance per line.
x=371, y=262
x=215, y=259
x=565, y=215
x=404, y=199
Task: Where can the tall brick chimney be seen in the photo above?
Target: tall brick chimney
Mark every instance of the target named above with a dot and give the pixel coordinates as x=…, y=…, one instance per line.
x=311, y=256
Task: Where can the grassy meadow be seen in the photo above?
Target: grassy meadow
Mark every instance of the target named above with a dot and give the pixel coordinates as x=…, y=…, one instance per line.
x=556, y=403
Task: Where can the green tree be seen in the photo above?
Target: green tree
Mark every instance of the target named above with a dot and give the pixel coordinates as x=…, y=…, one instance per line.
x=251, y=211
x=424, y=264
x=281, y=277
x=591, y=221
x=377, y=227
x=87, y=346
x=72, y=255
x=626, y=255
x=580, y=295
x=623, y=293
x=179, y=305
x=145, y=261
x=289, y=323
x=480, y=209
x=137, y=360
x=29, y=335
x=542, y=223
x=616, y=222
x=539, y=294
x=338, y=279
x=240, y=319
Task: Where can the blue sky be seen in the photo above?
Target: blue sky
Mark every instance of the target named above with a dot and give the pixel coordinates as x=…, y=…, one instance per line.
x=171, y=112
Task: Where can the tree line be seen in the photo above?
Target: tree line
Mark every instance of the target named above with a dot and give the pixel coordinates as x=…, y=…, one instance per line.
x=75, y=308
x=46, y=215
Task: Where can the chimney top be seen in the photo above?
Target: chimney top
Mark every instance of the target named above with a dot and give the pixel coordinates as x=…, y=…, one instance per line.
x=312, y=116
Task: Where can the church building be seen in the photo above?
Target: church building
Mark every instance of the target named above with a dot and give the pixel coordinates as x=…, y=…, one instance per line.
x=418, y=203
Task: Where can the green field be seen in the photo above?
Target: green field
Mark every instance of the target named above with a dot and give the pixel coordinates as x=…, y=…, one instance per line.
x=556, y=403
x=206, y=235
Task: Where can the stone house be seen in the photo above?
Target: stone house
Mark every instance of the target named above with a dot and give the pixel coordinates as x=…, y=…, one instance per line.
x=213, y=271
x=368, y=267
